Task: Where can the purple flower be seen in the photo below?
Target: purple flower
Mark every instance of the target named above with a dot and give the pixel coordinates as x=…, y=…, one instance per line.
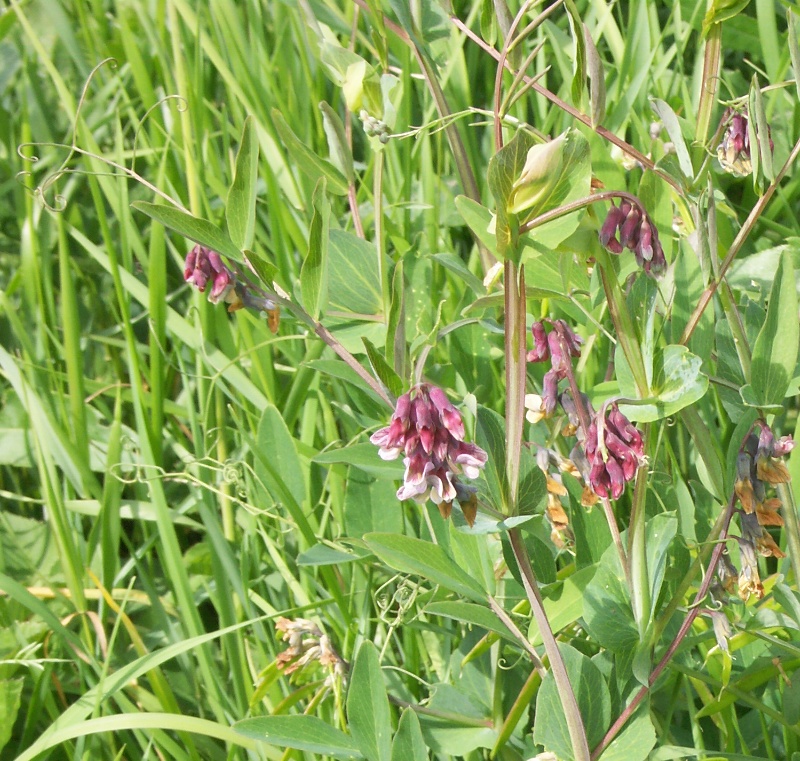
x=203, y=265
x=636, y=233
x=734, y=150
x=429, y=431
x=615, y=451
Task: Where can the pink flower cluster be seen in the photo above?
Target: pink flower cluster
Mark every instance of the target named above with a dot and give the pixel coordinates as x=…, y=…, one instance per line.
x=203, y=266
x=637, y=233
x=558, y=346
x=429, y=431
x=615, y=451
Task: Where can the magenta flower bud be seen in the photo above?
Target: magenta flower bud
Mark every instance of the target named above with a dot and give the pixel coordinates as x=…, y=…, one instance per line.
x=541, y=350
x=783, y=446
x=629, y=232
x=450, y=416
x=572, y=339
x=557, y=357
x=550, y=391
x=190, y=264
x=608, y=231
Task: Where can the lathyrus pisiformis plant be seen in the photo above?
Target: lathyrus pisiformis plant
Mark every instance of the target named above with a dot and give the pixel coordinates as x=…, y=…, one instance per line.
x=635, y=491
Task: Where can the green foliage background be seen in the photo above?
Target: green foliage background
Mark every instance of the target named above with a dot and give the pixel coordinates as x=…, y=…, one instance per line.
x=174, y=478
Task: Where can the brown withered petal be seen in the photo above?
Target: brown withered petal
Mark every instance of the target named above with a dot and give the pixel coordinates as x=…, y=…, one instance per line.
x=772, y=471
x=744, y=490
x=767, y=547
x=445, y=508
x=470, y=509
x=767, y=513
x=556, y=487
x=555, y=513
x=588, y=497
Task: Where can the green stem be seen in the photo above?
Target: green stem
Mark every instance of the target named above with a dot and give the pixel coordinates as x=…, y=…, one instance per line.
x=626, y=333
x=790, y=525
x=515, y=342
x=377, y=201
x=572, y=715
x=708, y=89
x=637, y=550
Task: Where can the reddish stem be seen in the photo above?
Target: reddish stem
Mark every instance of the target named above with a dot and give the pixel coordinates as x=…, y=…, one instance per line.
x=675, y=644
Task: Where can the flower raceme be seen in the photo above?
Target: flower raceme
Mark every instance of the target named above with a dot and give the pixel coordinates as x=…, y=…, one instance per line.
x=636, y=233
x=558, y=346
x=428, y=430
x=615, y=451
x=203, y=266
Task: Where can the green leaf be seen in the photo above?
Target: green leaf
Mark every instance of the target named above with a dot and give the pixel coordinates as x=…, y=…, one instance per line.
x=387, y=376
x=368, y=706
x=456, y=265
x=368, y=505
x=409, y=555
x=470, y=613
x=564, y=603
x=576, y=27
x=661, y=530
x=10, y=698
x=240, y=208
x=497, y=299
x=314, y=272
x=532, y=484
x=354, y=276
x=478, y=218
x=775, y=349
x=679, y=383
x=306, y=733
x=322, y=554
x=277, y=463
x=572, y=181
x=721, y=10
x=409, y=744
x=363, y=456
x=308, y=161
x=597, y=81
x=267, y=272
x=491, y=437
x=607, y=606
x=396, y=323
x=484, y=524
x=636, y=740
x=758, y=116
x=794, y=48
x=194, y=228
x=592, y=694
x=505, y=167
x=339, y=150
x=673, y=127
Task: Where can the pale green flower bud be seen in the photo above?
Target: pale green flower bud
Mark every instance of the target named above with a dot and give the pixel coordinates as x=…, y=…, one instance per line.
x=539, y=175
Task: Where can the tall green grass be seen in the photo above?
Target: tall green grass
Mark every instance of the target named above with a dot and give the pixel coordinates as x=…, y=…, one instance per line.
x=163, y=475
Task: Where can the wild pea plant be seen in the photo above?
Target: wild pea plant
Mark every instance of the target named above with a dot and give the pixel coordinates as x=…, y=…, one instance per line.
x=528, y=478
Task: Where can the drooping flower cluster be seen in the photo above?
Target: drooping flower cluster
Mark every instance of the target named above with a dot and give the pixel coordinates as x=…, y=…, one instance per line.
x=614, y=450
x=733, y=152
x=558, y=346
x=636, y=233
x=203, y=266
x=610, y=449
x=308, y=645
x=428, y=430
x=758, y=466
